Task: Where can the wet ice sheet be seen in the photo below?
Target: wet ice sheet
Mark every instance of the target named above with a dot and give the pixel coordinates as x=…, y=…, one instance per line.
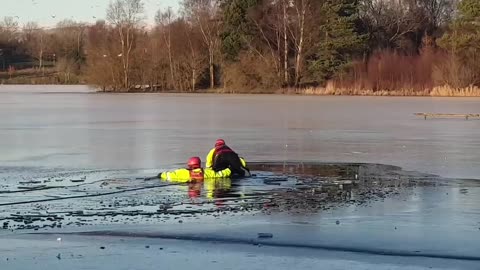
x=413, y=215
x=108, y=197
x=363, y=238
x=139, y=253
x=111, y=197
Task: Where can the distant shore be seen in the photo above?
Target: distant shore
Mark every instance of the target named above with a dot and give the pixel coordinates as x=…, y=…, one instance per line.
x=440, y=91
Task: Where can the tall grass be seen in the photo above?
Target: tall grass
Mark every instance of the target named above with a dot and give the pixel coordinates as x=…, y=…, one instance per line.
x=391, y=71
x=440, y=91
x=446, y=91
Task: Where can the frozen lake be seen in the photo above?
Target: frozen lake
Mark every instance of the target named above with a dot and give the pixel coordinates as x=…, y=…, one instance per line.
x=58, y=126
x=71, y=132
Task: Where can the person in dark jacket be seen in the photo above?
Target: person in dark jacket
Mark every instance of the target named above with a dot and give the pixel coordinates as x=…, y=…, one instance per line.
x=222, y=157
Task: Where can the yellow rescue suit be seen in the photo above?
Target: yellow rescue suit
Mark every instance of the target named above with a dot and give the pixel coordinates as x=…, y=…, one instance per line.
x=185, y=175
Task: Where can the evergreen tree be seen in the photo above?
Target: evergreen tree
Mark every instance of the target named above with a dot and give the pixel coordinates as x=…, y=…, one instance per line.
x=464, y=35
x=462, y=41
x=338, y=39
x=236, y=28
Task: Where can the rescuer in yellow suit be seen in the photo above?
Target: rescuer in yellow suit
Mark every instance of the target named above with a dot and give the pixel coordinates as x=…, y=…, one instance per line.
x=213, y=183
x=194, y=172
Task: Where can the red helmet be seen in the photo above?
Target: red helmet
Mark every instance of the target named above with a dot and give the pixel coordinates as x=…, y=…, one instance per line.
x=219, y=142
x=194, y=163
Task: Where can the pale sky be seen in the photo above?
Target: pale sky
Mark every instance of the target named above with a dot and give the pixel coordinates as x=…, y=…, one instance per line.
x=42, y=11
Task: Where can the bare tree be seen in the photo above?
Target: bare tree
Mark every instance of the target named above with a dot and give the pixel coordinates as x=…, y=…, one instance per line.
x=103, y=67
x=196, y=58
x=35, y=40
x=204, y=14
x=67, y=67
x=285, y=4
x=8, y=29
x=164, y=20
x=161, y=74
x=390, y=21
x=70, y=37
x=403, y=19
x=301, y=7
x=126, y=16
x=270, y=22
x=438, y=12
x=280, y=24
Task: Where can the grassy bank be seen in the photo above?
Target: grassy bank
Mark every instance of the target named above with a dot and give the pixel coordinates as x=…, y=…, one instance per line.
x=440, y=91
x=35, y=76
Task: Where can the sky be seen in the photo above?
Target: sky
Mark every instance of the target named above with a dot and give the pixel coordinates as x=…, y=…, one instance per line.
x=48, y=12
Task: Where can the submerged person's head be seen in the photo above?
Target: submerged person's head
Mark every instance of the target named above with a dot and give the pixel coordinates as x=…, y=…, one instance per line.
x=194, y=163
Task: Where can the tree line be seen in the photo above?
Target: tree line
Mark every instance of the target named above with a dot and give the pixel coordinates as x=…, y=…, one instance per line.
x=254, y=45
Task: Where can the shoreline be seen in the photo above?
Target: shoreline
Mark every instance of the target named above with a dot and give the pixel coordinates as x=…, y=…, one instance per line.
x=447, y=92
